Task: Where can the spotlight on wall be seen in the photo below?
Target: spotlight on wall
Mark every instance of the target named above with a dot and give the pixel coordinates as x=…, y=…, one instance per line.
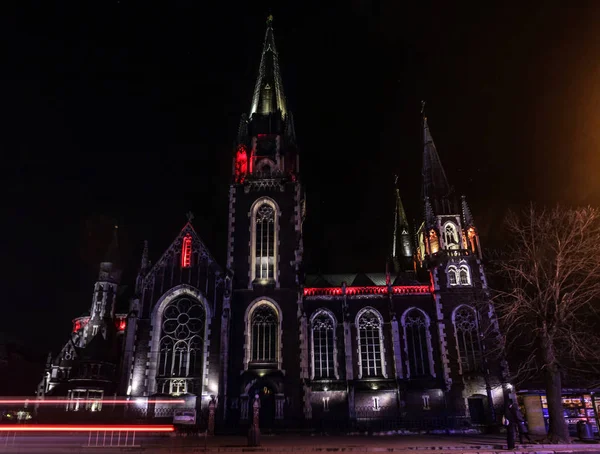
x=374, y=386
x=509, y=386
x=325, y=388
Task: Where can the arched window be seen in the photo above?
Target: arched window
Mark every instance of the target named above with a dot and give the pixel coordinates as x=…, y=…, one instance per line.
x=264, y=324
x=370, y=341
x=450, y=236
x=323, y=345
x=452, y=276
x=467, y=338
x=464, y=275
x=264, y=240
x=417, y=343
x=181, y=347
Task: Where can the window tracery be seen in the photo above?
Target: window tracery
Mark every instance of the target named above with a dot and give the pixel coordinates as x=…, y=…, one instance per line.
x=264, y=241
x=465, y=278
x=265, y=332
x=323, y=345
x=181, y=347
x=451, y=240
x=417, y=343
x=467, y=338
x=459, y=275
x=369, y=324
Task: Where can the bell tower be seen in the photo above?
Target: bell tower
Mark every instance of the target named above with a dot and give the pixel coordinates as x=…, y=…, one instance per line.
x=266, y=184
x=266, y=211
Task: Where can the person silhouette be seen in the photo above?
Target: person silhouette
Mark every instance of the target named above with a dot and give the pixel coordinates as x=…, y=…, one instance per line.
x=515, y=421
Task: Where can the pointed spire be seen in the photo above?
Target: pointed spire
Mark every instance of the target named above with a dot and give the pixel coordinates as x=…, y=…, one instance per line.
x=243, y=130
x=268, y=92
x=435, y=183
x=144, y=267
x=110, y=267
x=400, y=224
x=113, y=254
x=145, y=262
x=290, y=130
x=466, y=212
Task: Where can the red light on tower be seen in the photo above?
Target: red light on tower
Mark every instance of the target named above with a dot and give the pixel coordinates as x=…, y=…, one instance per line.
x=186, y=251
x=121, y=324
x=241, y=164
x=76, y=326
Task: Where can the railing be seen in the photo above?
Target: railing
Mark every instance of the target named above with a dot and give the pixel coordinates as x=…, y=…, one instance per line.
x=368, y=290
x=112, y=435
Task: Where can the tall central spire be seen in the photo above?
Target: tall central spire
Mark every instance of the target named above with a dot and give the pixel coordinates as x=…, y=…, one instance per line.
x=268, y=92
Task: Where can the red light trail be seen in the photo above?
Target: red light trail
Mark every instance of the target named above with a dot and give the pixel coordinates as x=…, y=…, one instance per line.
x=82, y=428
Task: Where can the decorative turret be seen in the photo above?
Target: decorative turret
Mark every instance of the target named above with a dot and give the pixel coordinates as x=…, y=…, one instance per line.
x=110, y=267
x=266, y=146
x=471, y=234
x=144, y=267
x=402, y=245
x=102, y=310
x=466, y=212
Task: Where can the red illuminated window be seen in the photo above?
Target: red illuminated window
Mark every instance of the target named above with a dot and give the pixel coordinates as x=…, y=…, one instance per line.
x=121, y=324
x=76, y=326
x=186, y=251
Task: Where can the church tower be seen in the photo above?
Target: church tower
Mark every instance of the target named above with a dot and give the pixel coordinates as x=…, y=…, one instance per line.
x=266, y=209
x=449, y=250
x=102, y=310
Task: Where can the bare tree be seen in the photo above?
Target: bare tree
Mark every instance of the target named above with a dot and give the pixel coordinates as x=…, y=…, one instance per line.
x=548, y=302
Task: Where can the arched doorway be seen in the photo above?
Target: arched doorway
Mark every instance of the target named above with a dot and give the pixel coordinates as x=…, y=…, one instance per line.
x=266, y=394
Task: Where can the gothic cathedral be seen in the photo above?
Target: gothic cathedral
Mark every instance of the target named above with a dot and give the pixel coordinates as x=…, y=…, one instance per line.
x=405, y=344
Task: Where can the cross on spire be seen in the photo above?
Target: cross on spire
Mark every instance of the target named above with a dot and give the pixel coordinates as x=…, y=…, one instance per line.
x=190, y=216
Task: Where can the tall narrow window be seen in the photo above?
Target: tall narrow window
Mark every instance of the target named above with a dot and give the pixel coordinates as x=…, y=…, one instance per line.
x=181, y=347
x=265, y=326
x=467, y=338
x=264, y=217
x=265, y=242
x=370, y=344
x=186, y=251
x=452, y=276
x=450, y=236
x=417, y=341
x=464, y=275
x=323, y=344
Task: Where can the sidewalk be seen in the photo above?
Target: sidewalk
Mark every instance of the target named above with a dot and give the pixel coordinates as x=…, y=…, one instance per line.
x=371, y=444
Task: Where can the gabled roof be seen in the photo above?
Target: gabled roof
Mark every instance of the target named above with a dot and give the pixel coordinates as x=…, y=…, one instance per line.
x=175, y=247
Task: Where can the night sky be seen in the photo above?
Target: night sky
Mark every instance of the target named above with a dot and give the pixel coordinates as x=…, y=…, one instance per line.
x=125, y=112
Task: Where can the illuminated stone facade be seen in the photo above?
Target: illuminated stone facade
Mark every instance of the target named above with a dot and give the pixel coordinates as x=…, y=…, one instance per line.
x=404, y=345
